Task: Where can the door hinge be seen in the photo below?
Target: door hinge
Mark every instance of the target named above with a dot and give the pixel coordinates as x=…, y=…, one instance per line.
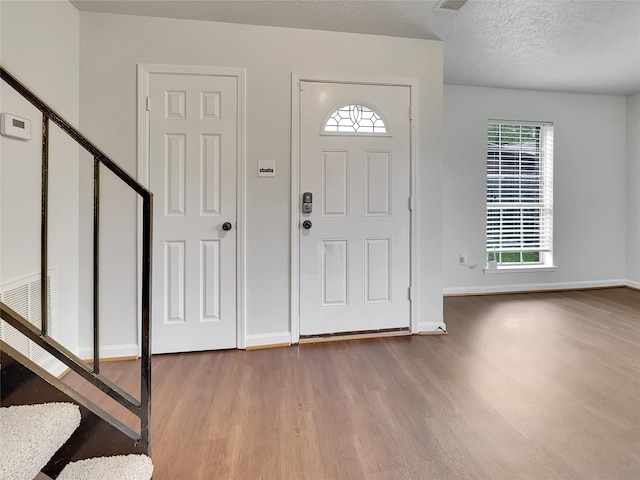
x=148, y=104
x=300, y=86
x=410, y=293
x=410, y=114
x=411, y=204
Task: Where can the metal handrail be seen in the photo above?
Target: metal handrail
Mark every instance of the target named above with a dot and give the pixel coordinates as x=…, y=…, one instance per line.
x=142, y=407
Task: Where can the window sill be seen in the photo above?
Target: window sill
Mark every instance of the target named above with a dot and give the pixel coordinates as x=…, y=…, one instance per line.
x=521, y=269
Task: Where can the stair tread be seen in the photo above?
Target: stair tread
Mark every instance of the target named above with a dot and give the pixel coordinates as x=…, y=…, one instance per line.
x=122, y=467
x=31, y=434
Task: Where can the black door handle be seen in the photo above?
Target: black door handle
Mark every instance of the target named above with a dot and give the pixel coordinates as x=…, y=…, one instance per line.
x=306, y=224
x=226, y=226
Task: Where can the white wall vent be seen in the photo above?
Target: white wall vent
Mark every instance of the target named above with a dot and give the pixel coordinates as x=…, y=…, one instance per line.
x=451, y=5
x=23, y=296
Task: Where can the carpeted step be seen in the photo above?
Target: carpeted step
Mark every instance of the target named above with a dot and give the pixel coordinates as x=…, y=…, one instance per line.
x=31, y=434
x=121, y=467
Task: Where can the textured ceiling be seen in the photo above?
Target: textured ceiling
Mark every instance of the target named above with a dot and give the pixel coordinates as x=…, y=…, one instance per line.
x=562, y=45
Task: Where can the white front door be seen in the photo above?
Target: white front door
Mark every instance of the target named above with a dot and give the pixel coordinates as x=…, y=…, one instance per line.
x=193, y=158
x=355, y=250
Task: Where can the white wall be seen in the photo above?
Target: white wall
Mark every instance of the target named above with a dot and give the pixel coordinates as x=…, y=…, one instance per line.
x=112, y=45
x=589, y=186
x=40, y=46
x=633, y=190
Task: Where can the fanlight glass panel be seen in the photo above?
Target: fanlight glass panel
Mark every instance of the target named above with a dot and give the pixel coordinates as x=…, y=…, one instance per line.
x=355, y=119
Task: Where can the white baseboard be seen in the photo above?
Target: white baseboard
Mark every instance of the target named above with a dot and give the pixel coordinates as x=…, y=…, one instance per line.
x=110, y=351
x=536, y=287
x=632, y=284
x=424, y=327
x=265, y=339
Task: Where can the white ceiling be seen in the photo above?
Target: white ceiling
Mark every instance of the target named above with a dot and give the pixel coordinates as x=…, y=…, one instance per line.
x=562, y=45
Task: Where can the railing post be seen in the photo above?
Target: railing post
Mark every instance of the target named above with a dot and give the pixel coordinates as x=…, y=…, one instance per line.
x=44, y=228
x=96, y=265
x=145, y=363
x=141, y=408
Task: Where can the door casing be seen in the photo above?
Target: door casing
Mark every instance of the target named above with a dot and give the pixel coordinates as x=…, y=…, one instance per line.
x=412, y=83
x=145, y=71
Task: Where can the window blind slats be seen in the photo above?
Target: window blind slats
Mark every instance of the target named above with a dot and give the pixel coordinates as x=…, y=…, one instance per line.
x=519, y=191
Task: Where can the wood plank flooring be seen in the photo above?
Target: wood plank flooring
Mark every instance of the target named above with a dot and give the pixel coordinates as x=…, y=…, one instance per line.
x=525, y=386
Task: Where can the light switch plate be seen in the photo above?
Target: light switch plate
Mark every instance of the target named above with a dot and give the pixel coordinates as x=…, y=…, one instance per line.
x=266, y=168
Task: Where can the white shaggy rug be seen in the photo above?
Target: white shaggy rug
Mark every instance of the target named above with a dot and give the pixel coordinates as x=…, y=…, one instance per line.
x=120, y=467
x=31, y=434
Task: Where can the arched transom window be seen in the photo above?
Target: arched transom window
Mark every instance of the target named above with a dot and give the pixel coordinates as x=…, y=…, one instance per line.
x=355, y=118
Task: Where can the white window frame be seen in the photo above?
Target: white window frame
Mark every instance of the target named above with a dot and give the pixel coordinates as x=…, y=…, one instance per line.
x=510, y=234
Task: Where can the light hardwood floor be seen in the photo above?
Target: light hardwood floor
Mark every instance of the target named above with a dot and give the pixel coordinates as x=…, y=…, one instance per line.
x=526, y=386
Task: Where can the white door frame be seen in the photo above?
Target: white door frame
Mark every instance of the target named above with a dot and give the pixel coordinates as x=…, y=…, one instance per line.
x=145, y=70
x=412, y=83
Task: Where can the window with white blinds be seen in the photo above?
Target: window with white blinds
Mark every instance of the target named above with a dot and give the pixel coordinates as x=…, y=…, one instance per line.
x=519, y=193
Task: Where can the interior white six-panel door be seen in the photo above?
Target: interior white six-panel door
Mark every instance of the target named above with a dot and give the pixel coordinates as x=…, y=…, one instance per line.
x=355, y=253
x=193, y=154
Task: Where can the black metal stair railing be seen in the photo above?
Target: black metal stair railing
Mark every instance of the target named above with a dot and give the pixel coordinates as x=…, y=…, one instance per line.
x=142, y=407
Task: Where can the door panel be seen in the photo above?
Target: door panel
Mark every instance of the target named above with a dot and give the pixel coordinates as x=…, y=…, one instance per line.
x=334, y=184
x=355, y=258
x=193, y=155
x=377, y=270
x=175, y=281
x=335, y=275
x=377, y=184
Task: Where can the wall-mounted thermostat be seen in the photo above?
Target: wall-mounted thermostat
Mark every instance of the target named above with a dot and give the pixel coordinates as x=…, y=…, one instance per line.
x=14, y=126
